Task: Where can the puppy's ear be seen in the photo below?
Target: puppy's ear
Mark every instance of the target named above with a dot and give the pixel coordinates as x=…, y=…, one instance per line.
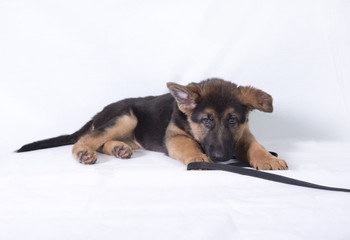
x=255, y=99
x=184, y=96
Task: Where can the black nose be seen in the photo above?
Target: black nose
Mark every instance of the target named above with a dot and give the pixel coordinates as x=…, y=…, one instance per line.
x=217, y=156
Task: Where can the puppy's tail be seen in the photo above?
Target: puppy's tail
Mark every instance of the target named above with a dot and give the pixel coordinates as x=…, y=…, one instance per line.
x=57, y=141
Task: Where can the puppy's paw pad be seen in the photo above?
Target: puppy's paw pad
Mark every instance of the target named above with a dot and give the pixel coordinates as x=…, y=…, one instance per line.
x=86, y=157
x=122, y=151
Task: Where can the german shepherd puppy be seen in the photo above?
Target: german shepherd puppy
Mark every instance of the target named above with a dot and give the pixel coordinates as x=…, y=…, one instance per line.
x=200, y=122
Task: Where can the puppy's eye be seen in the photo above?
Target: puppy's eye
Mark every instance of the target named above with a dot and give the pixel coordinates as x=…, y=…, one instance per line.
x=207, y=122
x=232, y=121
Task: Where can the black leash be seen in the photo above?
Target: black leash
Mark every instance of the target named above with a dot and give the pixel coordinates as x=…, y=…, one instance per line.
x=239, y=168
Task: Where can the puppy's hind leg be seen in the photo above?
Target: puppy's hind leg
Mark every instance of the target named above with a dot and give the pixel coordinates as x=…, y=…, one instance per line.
x=120, y=128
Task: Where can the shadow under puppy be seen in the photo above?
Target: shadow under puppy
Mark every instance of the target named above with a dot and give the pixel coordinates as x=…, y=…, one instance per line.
x=200, y=122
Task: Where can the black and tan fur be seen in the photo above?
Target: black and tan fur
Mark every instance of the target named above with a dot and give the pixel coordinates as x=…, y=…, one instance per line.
x=206, y=121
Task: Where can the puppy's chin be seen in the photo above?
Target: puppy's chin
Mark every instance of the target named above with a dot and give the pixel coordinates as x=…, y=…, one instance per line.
x=221, y=159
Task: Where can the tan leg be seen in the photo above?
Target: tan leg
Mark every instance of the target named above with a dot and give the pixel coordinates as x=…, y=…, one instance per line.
x=248, y=149
x=182, y=147
x=84, y=149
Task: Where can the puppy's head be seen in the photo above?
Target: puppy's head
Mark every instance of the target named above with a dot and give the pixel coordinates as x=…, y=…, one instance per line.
x=217, y=113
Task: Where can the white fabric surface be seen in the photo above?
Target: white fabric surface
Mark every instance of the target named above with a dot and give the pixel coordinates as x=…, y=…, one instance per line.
x=62, y=61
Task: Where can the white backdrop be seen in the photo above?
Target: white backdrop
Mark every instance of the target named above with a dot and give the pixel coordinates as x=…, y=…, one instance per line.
x=62, y=61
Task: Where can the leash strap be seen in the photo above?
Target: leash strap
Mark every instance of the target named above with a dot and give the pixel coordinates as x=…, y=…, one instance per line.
x=239, y=168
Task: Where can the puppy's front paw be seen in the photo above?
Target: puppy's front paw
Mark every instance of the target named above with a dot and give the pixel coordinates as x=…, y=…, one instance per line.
x=198, y=158
x=269, y=163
